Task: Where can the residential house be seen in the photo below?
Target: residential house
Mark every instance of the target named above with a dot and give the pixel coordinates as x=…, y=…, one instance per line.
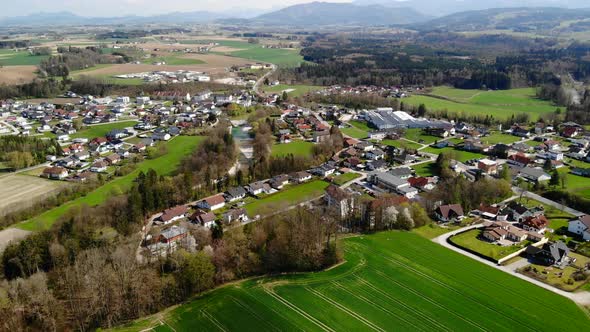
x=301, y=177
x=402, y=172
x=422, y=183
x=536, y=224
x=212, y=203
x=376, y=165
x=279, y=181
x=235, y=194
x=534, y=174
x=519, y=159
x=324, y=170
x=99, y=166
x=255, y=188
x=487, y=166
x=404, y=158
x=321, y=136
x=449, y=212
x=339, y=199
x=206, y=219
x=55, y=173
x=173, y=234
x=172, y=214
x=233, y=215
x=556, y=253
x=113, y=159
x=580, y=226
x=375, y=154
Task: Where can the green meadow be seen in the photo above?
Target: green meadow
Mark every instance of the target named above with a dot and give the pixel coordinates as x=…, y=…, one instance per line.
x=500, y=104
x=296, y=148
x=288, y=196
x=391, y=281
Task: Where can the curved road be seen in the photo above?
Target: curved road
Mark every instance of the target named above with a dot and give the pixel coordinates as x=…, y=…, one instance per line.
x=582, y=298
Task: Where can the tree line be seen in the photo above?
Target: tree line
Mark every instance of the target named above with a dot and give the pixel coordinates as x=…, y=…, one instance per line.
x=22, y=151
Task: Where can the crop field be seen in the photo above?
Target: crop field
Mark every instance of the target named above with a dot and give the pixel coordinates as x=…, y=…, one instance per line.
x=178, y=148
x=296, y=148
x=17, y=74
x=500, y=104
x=242, y=49
x=390, y=281
x=21, y=191
x=288, y=196
x=20, y=59
x=101, y=130
x=292, y=90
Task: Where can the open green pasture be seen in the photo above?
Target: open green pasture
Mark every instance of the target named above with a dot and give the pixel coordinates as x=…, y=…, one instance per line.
x=287, y=197
x=296, y=148
x=500, y=104
x=390, y=281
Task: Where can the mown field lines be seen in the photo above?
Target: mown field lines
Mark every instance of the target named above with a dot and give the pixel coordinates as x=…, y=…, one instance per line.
x=389, y=282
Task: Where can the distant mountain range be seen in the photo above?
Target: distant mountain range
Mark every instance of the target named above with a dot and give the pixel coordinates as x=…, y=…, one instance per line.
x=445, y=7
x=515, y=19
x=67, y=18
x=390, y=13
x=324, y=13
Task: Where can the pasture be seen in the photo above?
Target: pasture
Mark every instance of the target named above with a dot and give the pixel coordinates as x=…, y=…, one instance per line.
x=20, y=59
x=391, y=281
x=101, y=130
x=21, y=191
x=500, y=104
x=344, y=178
x=357, y=129
x=296, y=148
x=288, y=196
x=282, y=57
x=178, y=148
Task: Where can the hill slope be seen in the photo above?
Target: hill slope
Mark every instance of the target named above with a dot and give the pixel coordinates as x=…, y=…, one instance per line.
x=518, y=19
x=322, y=13
x=446, y=7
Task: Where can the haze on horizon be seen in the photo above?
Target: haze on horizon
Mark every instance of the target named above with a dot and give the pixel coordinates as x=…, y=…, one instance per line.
x=114, y=8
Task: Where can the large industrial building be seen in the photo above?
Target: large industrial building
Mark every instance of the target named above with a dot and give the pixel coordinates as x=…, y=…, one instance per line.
x=386, y=119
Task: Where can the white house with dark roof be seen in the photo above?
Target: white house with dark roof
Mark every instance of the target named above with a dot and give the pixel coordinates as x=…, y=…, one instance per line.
x=580, y=226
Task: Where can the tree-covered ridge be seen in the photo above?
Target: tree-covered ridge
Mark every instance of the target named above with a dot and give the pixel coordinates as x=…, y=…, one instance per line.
x=22, y=151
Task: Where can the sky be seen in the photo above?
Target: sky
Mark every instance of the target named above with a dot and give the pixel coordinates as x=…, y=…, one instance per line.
x=94, y=8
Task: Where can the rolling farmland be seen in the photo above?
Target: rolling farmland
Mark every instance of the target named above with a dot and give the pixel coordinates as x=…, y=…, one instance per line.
x=390, y=281
x=500, y=104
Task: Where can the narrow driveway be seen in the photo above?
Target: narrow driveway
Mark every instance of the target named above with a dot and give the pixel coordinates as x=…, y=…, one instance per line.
x=546, y=201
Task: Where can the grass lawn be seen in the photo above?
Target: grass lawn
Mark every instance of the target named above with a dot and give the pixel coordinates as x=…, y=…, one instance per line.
x=469, y=240
x=459, y=155
x=357, y=129
x=101, y=130
x=496, y=138
x=344, y=178
x=296, y=148
x=401, y=144
x=178, y=148
x=292, y=90
x=499, y=104
x=433, y=230
x=288, y=196
x=20, y=59
x=426, y=169
x=390, y=281
x=559, y=278
x=417, y=135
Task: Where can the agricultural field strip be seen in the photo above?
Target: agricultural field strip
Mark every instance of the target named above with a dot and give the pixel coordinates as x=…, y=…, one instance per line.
x=213, y=320
x=460, y=287
x=299, y=311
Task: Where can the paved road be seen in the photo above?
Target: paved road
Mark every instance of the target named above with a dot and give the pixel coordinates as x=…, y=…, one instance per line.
x=582, y=298
x=256, y=86
x=546, y=201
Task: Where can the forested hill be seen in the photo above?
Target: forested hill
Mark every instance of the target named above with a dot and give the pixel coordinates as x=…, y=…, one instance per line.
x=516, y=19
x=322, y=13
